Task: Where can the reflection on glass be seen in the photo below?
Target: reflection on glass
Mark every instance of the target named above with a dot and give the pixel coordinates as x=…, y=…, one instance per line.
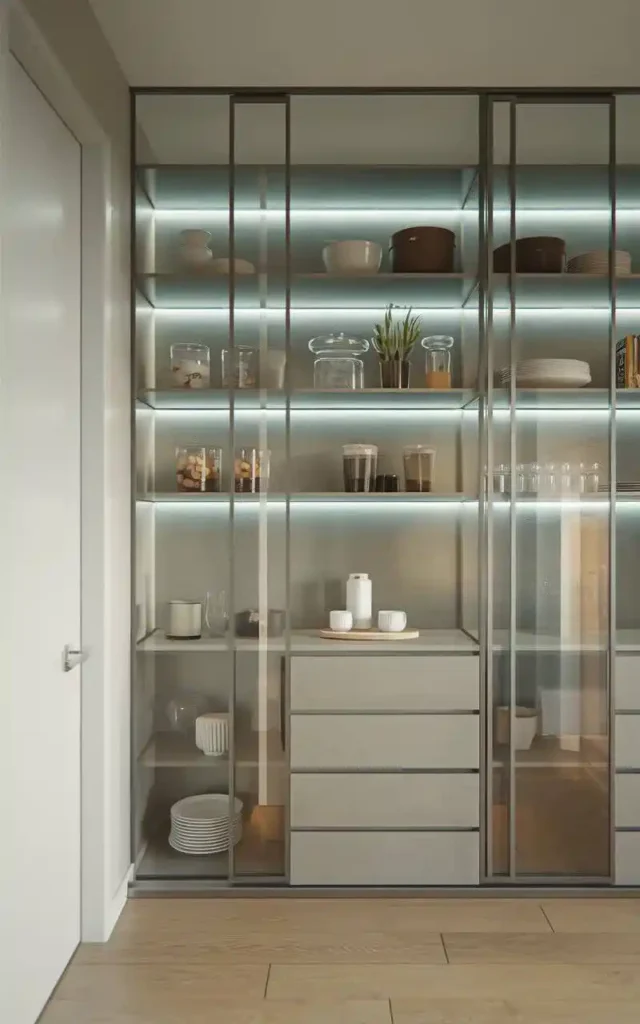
x=550, y=567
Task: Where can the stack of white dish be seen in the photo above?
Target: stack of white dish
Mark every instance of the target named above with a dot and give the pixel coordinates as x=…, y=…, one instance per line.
x=549, y=373
x=597, y=262
x=201, y=824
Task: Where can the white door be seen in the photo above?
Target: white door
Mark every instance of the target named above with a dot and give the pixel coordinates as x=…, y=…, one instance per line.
x=40, y=188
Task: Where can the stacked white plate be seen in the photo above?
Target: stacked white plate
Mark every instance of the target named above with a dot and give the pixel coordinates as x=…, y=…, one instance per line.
x=549, y=373
x=597, y=262
x=202, y=824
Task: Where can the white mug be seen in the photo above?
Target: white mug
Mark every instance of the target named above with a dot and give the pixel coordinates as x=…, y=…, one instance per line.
x=340, y=621
x=212, y=734
x=392, y=621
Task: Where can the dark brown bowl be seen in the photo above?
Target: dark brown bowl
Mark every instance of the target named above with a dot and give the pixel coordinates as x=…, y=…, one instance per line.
x=423, y=250
x=541, y=254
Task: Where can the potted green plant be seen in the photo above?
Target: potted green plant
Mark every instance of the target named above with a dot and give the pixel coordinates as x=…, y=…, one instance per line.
x=394, y=342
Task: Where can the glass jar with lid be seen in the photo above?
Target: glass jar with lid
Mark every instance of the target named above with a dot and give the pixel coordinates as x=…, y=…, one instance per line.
x=338, y=366
x=190, y=365
x=438, y=361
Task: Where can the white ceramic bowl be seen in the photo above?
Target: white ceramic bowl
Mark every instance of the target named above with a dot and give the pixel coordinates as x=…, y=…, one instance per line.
x=392, y=621
x=352, y=257
x=212, y=734
x=222, y=265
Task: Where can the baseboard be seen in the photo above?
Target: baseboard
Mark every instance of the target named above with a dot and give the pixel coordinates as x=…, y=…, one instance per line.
x=112, y=911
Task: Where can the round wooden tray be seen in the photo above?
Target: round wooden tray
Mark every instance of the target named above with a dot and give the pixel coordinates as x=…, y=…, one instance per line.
x=369, y=634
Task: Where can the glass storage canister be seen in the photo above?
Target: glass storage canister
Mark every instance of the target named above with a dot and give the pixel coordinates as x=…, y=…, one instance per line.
x=338, y=366
x=198, y=469
x=239, y=367
x=419, y=462
x=438, y=361
x=251, y=470
x=359, y=465
x=190, y=366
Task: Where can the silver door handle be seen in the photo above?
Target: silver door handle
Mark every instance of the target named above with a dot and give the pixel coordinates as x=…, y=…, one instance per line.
x=72, y=657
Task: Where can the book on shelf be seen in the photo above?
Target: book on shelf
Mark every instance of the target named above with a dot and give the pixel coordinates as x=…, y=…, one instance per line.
x=627, y=364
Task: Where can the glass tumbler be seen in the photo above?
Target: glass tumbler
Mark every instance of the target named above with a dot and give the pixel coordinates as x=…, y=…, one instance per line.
x=198, y=469
x=419, y=462
x=338, y=366
x=251, y=470
x=359, y=465
x=239, y=367
x=438, y=361
x=190, y=366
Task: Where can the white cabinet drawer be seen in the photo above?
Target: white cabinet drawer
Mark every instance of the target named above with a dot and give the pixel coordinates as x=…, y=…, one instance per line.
x=385, y=801
x=384, y=741
x=627, y=858
x=627, y=683
x=627, y=801
x=627, y=741
x=384, y=858
x=371, y=683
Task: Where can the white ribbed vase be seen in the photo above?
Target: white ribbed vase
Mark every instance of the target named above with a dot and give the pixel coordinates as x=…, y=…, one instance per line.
x=212, y=734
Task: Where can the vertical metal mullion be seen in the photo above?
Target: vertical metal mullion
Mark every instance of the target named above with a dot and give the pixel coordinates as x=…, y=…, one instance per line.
x=287, y=336
x=485, y=473
x=613, y=478
x=232, y=445
x=512, y=502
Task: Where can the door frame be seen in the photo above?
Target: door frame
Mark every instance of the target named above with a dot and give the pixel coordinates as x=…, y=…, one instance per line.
x=21, y=37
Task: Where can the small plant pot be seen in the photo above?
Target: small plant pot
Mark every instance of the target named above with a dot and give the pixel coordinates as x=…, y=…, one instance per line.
x=395, y=373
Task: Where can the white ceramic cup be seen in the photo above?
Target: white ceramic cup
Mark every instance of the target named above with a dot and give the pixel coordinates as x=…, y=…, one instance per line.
x=352, y=257
x=392, y=621
x=340, y=621
x=212, y=734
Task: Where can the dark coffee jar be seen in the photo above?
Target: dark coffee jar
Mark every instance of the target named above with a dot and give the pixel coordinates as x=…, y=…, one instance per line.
x=541, y=254
x=423, y=250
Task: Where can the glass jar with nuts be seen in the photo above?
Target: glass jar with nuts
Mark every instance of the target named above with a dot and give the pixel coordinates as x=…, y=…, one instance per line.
x=251, y=470
x=198, y=469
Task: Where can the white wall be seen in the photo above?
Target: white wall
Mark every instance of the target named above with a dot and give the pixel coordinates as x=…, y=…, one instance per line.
x=455, y=43
x=70, y=30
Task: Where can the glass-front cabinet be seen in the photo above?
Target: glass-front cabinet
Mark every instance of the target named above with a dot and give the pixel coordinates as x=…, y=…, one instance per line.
x=387, y=482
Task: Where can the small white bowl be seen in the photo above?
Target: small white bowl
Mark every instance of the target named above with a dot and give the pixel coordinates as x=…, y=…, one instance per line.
x=222, y=265
x=352, y=257
x=340, y=621
x=392, y=621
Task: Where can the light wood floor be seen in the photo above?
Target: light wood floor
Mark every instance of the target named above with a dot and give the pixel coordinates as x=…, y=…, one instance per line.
x=360, y=961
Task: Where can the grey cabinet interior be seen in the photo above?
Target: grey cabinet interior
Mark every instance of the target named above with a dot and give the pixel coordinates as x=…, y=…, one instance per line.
x=412, y=763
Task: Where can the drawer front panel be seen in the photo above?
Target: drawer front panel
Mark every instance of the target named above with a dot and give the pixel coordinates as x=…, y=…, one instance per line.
x=627, y=801
x=627, y=741
x=627, y=858
x=384, y=741
x=385, y=684
x=384, y=858
x=627, y=683
x=384, y=801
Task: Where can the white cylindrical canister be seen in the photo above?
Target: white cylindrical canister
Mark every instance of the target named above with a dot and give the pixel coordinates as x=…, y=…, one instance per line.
x=185, y=620
x=359, y=599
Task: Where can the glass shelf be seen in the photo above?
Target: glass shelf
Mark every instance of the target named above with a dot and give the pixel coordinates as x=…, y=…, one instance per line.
x=402, y=400
x=558, y=291
x=541, y=399
x=546, y=752
x=308, y=641
x=253, y=856
x=327, y=497
x=174, y=750
x=314, y=291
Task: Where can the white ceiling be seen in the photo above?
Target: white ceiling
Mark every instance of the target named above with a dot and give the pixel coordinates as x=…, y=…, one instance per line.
x=388, y=43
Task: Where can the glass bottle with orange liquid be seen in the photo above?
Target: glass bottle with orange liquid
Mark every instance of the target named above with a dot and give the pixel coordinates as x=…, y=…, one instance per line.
x=438, y=361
